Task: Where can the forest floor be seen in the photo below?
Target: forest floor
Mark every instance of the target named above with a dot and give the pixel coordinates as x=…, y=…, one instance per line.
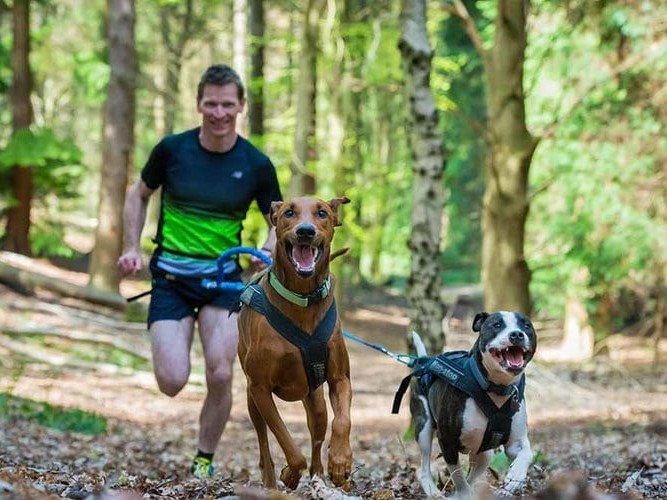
x=600, y=424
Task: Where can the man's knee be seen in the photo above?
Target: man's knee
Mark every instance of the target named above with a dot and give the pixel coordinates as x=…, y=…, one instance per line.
x=220, y=376
x=171, y=383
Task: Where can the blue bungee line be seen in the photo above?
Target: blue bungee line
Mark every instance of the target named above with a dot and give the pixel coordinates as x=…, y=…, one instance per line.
x=219, y=282
x=401, y=358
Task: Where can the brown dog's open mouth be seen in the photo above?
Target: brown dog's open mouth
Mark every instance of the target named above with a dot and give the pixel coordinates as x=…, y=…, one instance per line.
x=304, y=257
x=512, y=358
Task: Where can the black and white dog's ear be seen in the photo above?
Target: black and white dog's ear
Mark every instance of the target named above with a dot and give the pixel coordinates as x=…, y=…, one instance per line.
x=479, y=320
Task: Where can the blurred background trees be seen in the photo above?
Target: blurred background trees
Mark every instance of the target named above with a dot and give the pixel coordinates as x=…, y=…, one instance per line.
x=327, y=105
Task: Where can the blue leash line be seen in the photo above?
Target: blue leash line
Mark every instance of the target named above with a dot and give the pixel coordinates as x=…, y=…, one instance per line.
x=401, y=358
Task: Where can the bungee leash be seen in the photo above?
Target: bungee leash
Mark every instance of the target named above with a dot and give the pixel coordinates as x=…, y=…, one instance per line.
x=407, y=359
x=219, y=282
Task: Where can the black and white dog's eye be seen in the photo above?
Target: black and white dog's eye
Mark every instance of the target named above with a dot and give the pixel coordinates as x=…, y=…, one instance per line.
x=498, y=324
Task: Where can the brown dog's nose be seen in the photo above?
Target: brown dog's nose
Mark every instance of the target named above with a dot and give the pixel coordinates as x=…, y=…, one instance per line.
x=305, y=232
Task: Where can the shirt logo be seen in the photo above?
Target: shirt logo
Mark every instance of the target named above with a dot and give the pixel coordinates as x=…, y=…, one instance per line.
x=237, y=175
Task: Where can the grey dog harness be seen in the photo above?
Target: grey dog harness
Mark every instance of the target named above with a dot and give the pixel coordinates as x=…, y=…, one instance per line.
x=460, y=370
x=314, y=351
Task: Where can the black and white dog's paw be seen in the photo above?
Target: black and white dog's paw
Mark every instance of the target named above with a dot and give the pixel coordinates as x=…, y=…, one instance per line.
x=428, y=485
x=511, y=487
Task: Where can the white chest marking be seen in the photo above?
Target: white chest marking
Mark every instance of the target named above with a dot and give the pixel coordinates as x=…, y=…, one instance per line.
x=474, y=423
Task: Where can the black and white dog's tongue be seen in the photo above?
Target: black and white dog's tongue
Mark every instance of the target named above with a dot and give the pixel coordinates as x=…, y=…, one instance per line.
x=514, y=357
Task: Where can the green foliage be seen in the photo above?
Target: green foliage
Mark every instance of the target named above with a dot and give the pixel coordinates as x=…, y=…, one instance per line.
x=39, y=148
x=459, y=88
x=57, y=172
x=409, y=433
x=47, y=238
x=500, y=463
x=597, y=225
x=91, y=75
x=54, y=417
x=5, y=62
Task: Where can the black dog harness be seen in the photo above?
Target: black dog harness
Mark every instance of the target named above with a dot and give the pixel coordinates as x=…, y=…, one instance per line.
x=460, y=370
x=314, y=351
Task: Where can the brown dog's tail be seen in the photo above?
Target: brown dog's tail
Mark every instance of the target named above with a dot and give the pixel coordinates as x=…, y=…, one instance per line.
x=338, y=253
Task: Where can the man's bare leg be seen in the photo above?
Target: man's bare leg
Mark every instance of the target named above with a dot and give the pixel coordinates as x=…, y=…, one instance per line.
x=219, y=335
x=170, y=345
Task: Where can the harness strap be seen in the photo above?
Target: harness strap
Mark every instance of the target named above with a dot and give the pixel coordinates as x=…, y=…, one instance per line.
x=420, y=369
x=313, y=348
x=405, y=383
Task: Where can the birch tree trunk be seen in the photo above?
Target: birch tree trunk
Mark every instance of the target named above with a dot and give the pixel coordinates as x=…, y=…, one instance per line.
x=17, y=233
x=302, y=181
x=505, y=273
x=256, y=26
x=118, y=144
x=239, y=50
x=426, y=311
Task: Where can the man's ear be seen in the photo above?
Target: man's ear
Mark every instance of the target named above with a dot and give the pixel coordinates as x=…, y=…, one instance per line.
x=334, y=204
x=273, y=214
x=479, y=320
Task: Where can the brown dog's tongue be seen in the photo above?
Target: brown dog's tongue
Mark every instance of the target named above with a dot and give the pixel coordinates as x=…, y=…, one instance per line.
x=304, y=256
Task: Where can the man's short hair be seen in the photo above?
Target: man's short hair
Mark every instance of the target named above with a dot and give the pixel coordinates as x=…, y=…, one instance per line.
x=220, y=74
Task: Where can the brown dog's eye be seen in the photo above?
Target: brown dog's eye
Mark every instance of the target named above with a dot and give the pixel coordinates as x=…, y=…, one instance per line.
x=322, y=214
x=289, y=213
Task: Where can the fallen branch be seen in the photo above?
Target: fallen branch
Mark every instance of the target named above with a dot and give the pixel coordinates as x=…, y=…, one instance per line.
x=26, y=280
x=56, y=359
x=89, y=338
x=67, y=312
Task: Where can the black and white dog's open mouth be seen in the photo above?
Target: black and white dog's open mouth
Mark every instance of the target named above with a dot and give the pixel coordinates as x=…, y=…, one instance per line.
x=304, y=257
x=511, y=358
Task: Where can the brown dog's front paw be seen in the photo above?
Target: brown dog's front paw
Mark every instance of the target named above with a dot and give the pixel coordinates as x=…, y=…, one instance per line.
x=291, y=476
x=269, y=478
x=340, y=467
x=316, y=470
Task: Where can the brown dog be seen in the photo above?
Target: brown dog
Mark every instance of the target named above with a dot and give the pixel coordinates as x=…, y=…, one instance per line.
x=300, y=288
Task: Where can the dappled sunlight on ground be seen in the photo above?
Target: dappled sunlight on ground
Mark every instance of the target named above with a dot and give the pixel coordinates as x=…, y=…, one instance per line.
x=604, y=410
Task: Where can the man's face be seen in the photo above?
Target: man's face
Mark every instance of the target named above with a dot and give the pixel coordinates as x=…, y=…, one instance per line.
x=219, y=106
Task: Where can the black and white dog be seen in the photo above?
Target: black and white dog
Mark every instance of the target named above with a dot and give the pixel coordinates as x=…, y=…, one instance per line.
x=474, y=401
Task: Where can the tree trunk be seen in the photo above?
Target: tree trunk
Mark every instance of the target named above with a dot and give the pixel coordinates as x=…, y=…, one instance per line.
x=240, y=23
x=256, y=81
x=505, y=273
x=578, y=338
x=174, y=41
x=303, y=181
x=424, y=283
x=17, y=234
x=660, y=315
x=119, y=114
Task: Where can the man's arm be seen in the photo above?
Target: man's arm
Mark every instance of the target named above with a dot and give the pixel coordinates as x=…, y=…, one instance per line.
x=270, y=242
x=268, y=246
x=134, y=217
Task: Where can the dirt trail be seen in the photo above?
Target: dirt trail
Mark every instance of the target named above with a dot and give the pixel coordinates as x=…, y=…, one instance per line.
x=609, y=425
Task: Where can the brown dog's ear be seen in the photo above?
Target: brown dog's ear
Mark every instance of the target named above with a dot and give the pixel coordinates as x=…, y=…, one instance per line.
x=479, y=320
x=273, y=214
x=334, y=204
x=338, y=253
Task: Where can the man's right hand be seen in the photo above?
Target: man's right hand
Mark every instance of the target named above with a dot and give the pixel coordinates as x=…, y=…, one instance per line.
x=130, y=262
